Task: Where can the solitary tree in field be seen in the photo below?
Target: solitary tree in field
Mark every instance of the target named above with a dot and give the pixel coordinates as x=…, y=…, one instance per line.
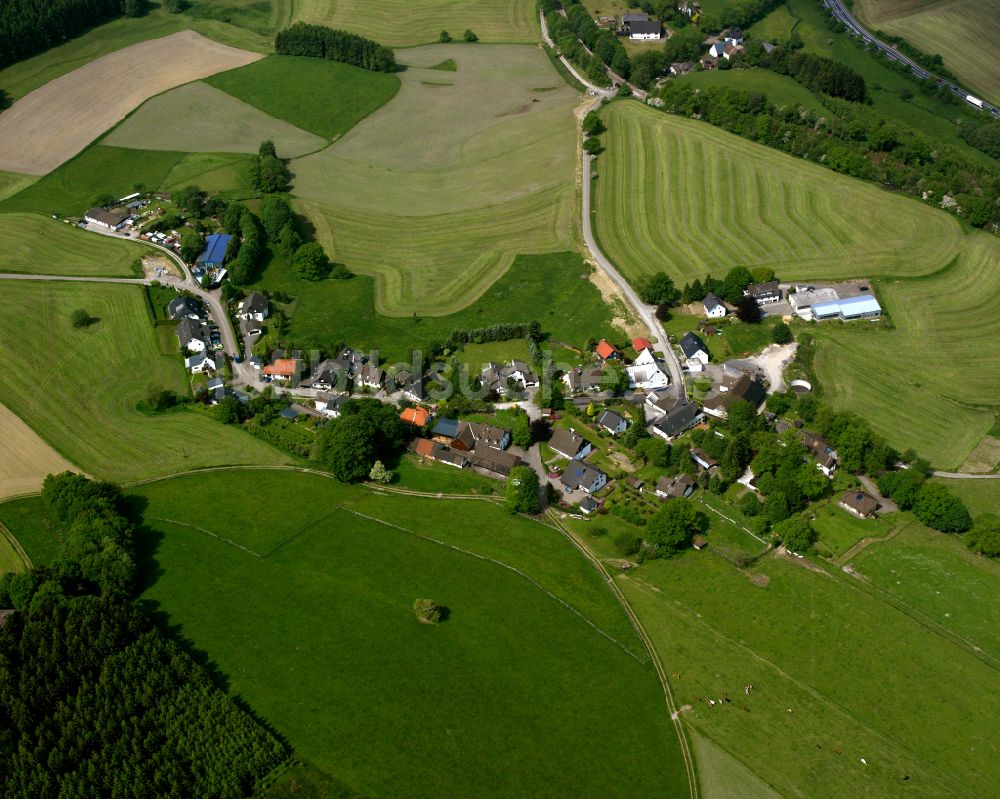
x=444, y=37
x=427, y=611
x=80, y=318
x=469, y=36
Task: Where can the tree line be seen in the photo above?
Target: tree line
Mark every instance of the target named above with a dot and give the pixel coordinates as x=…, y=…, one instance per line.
x=853, y=139
x=94, y=700
x=318, y=41
x=816, y=73
x=28, y=27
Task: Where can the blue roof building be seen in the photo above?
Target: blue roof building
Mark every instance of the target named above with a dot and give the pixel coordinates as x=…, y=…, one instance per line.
x=864, y=306
x=215, y=250
x=447, y=428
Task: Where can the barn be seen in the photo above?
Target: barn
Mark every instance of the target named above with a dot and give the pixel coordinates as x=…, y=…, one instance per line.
x=215, y=250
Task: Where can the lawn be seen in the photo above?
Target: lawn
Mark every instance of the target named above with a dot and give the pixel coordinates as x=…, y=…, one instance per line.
x=437, y=192
x=476, y=356
x=548, y=288
x=36, y=245
x=838, y=530
x=71, y=189
x=198, y=117
x=941, y=582
x=838, y=675
x=949, y=28
x=433, y=478
x=780, y=89
x=11, y=183
x=420, y=21
x=390, y=707
x=326, y=98
x=82, y=402
x=800, y=219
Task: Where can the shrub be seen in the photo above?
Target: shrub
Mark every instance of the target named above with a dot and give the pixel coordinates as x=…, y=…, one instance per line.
x=596, y=531
x=627, y=544
x=469, y=36
x=444, y=37
x=427, y=611
x=379, y=474
x=781, y=334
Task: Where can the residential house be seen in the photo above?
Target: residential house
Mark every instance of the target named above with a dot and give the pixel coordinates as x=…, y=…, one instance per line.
x=681, y=67
x=675, y=487
x=181, y=307
x=256, y=362
x=641, y=343
x=612, y=422
x=418, y=417
x=647, y=372
x=492, y=460
x=732, y=49
x=330, y=404
x=607, y=351
x=694, y=348
x=589, y=505
x=568, y=444
x=282, y=369
x=718, y=49
x=825, y=455
x=645, y=30
x=689, y=8
x=331, y=373
x=663, y=401
x=703, y=459
x=584, y=379
x=200, y=363
x=683, y=416
x=194, y=335
x=734, y=34
x=583, y=477
x=253, y=308
x=708, y=62
x=369, y=376
x=764, y=293
x=492, y=379
x=471, y=434
x=415, y=390
x=105, y=219
x=859, y=503
x=521, y=373
x=743, y=388
x=714, y=309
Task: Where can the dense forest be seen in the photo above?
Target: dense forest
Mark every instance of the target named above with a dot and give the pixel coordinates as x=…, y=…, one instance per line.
x=30, y=26
x=94, y=700
x=318, y=41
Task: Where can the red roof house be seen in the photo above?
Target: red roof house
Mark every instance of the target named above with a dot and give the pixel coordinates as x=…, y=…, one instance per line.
x=283, y=367
x=640, y=344
x=606, y=351
x=415, y=416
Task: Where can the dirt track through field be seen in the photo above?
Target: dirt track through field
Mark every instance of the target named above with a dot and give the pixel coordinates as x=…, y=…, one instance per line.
x=58, y=120
x=25, y=459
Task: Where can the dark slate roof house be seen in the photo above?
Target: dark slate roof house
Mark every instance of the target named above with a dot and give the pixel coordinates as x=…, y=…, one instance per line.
x=690, y=345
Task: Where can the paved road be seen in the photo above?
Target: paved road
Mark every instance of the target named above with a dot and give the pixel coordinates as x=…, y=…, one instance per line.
x=963, y=476
x=590, y=86
x=839, y=10
x=645, y=312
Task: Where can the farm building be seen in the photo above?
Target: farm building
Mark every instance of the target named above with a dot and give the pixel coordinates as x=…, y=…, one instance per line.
x=493, y=461
x=215, y=251
x=802, y=301
x=645, y=30
x=105, y=219
x=863, y=307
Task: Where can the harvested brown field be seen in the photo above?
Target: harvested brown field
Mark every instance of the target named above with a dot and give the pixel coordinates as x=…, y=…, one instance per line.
x=58, y=120
x=27, y=459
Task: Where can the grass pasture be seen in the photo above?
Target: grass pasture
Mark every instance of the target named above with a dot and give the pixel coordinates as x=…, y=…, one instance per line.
x=953, y=28
x=33, y=244
x=435, y=193
x=386, y=705
x=780, y=89
x=26, y=461
x=197, y=117
x=821, y=700
x=838, y=530
x=706, y=193
x=58, y=120
x=548, y=288
x=981, y=496
x=506, y=21
x=82, y=402
x=326, y=98
x=11, y=183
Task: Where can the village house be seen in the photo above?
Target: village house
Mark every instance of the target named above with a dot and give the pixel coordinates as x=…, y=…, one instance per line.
x=645, y=30
x=607, y=351
x=825, y=455
x=181, y=307
x=200, y=363
x=647, y=372
x=589, y=505
x=681, y=67
x=612, y=422
x=472, y=434
x=663, y=401
x=105, y=219
x=417, y=417
x=521, y=373
x=703, y=459
x=330, y=404
x=331, y=373
x=683, y=416
x=568, y=444
x=695, y=351
x=253, y=308
x=675, y=487
x=193, y=335
x=493, y=461
x=743, y=388
x=764, y=293
x=688, y=8
x=584, y=379
x=433, y=450
x=369, y=376
x=714, y=309
x=580, y=476
x=859, y=503
x=282, y=369
x=708, y=62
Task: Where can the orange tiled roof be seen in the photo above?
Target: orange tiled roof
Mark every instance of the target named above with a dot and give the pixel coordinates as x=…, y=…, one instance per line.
x=283, y=367
x=606, y=350
x=423, y=446
x=415, y=416
x=640, y=344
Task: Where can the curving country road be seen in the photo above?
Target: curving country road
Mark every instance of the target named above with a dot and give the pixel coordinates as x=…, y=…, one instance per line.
x=855, y=28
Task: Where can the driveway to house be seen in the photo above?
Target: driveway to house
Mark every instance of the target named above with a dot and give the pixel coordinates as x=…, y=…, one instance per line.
x=645, y=312
x=888, y=506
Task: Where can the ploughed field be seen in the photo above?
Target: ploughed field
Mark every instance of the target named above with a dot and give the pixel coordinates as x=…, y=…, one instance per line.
x=683, y=196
